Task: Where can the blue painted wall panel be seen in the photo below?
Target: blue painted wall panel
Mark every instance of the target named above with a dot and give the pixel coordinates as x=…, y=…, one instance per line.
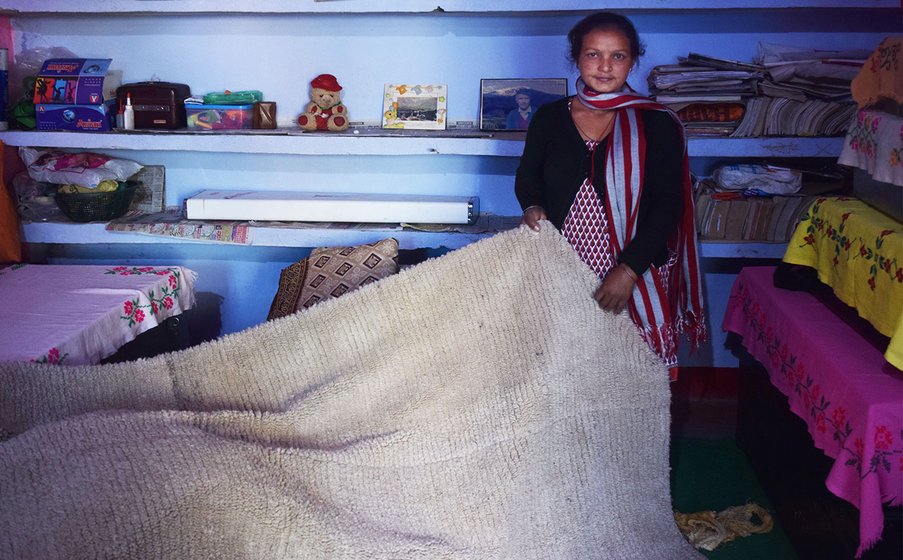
x=279, y=54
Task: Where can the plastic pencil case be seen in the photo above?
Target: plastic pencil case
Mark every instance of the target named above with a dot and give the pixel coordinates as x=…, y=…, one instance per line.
x=219, y=117
x=233, y=98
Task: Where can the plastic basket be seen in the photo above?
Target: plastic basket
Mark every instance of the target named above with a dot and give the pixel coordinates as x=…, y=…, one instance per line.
x=97, y=206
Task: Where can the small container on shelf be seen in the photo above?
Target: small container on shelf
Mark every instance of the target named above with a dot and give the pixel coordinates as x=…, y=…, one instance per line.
x=219, y=117
x=128, y=114
x=156, y=105
x=97, y=206
x=72, y=94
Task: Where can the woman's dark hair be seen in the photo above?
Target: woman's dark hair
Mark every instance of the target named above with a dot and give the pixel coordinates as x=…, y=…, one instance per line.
x=604, y=20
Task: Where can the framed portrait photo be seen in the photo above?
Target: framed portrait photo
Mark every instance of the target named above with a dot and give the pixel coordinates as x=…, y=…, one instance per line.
x=509, y=104
x=415, y=106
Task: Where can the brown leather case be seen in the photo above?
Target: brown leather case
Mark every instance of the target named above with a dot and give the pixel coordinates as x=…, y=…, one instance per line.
x=157, y=105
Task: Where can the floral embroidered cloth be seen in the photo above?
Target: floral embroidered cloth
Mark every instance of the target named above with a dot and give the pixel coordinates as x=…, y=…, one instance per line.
x=80, y=314
x=836, y=381
x=874, y=143
x=858, y=252
x=880, y=78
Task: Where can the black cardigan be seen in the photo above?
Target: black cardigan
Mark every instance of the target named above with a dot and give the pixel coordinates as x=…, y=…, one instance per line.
x=555, y=163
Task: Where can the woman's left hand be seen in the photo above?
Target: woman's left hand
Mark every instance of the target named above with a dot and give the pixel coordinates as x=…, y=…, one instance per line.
x=616, y=289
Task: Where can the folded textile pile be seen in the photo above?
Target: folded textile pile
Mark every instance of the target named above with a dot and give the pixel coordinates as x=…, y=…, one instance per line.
x=708, y=93
x=479, y=405
x=806, y=92
x=780, y=116
x=801, y=74
x=786, y=91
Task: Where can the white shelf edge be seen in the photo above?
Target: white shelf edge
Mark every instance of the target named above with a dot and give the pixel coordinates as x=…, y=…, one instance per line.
x=95, y=233
x=39, y=7
x=741, y=250
x=345, y=145
x=796, y=146
x=296, y=144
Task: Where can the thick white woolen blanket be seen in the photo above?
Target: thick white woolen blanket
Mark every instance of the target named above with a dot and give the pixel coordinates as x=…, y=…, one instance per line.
x=479, y=405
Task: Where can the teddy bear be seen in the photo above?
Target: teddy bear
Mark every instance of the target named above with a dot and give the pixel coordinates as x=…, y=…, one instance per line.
x=325, y=110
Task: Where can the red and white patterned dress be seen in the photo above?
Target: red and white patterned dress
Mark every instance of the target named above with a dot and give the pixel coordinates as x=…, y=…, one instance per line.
x=586, y=227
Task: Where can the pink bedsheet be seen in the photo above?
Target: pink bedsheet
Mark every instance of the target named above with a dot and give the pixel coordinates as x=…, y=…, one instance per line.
x=80, y=314
x=850, y=397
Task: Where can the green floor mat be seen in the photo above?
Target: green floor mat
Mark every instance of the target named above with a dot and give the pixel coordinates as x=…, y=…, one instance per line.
x=714, y=475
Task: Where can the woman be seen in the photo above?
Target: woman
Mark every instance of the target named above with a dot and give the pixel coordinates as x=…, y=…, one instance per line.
x=609, y=169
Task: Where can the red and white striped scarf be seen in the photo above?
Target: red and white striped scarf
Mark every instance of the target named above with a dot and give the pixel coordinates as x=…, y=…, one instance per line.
x=667, y=300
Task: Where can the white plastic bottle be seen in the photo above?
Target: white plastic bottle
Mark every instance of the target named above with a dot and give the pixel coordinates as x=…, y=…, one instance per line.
x=128, y=117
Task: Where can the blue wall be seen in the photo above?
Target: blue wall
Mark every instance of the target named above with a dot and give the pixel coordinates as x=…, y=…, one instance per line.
x=279, y=54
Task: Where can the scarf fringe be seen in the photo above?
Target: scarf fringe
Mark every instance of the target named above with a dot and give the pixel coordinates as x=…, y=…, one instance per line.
x=664, y=338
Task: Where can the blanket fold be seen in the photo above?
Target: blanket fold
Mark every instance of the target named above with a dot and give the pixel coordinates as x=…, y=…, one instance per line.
x=463, y=408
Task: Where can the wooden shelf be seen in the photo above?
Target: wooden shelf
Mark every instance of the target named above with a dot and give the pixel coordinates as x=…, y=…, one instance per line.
x=16, y=7
x=286, y=141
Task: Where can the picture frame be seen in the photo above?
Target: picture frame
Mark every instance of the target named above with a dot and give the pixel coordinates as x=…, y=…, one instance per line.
x=415, y=106
x=500, y=98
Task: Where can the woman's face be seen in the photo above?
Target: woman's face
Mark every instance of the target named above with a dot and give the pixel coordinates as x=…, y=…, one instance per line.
x=605, y=60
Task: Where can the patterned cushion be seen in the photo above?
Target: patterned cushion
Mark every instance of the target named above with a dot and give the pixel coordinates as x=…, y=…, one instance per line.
x=331, y=272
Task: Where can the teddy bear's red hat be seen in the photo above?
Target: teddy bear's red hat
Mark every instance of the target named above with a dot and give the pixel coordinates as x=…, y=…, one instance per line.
x=327, y=82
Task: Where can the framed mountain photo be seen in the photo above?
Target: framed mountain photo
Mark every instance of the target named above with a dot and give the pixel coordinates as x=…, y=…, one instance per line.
x=509, y=104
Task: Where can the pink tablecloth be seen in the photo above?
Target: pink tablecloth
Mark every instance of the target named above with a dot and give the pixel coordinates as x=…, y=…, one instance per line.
x=850, y=397
x=80, y=314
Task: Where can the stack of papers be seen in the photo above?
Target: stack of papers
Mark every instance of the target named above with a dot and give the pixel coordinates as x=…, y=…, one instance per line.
x=708, y=93
x=786, y=91
x=704, y=78
x=802, y=74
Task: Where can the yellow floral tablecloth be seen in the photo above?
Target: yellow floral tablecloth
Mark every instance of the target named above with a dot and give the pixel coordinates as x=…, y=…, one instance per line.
x=857, y=251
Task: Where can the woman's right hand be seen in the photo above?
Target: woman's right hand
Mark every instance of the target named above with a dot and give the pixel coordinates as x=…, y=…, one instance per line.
x=531, y=217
